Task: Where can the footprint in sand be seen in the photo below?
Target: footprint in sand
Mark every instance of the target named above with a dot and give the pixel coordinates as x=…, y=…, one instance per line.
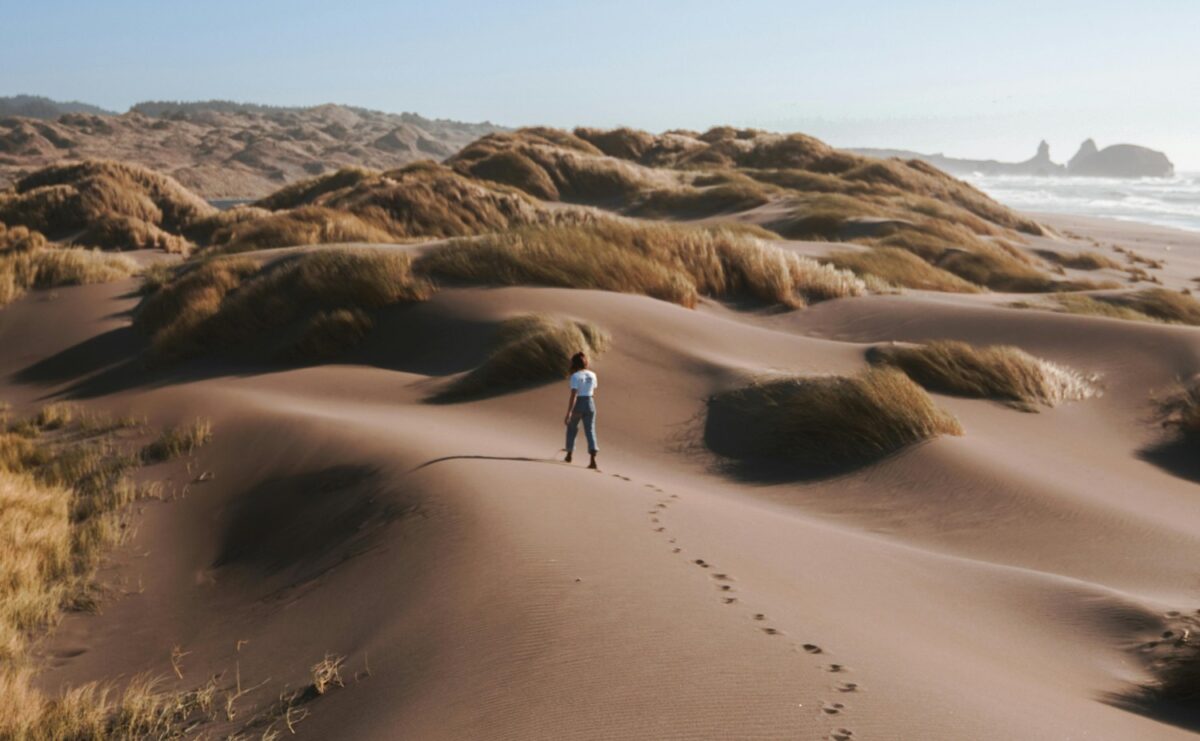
x=835, y=668
x=842, y=734
x=812, y=648
x=832, y=708
x=676, y=550
x=659, y=529
x=674, y=496
x=700, y=562
x=729, y=600
x=847, y=687
x=654, y=520
x=772, y=631
x=722, y=577
x=759, y=616
x=725, y=588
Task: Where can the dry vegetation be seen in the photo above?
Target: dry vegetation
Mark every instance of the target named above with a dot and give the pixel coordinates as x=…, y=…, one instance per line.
x=28, y=262
x=105, y=204
x=64, y=481
x=993, y=372
x=1181, y=410
x=64, y=489
x=821, y=423
x=177, y=441
x=529, y=350
x=1150, y=304
x=1082, y=260
x=235, y=304
x=899, y=267
x=671, y=263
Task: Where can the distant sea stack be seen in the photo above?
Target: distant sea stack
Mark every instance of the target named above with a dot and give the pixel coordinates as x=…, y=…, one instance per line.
x=1119, y=161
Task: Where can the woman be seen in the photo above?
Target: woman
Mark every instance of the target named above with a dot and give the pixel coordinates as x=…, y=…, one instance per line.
x=582, y=406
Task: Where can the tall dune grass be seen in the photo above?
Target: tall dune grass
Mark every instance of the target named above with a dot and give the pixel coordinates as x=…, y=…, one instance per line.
x=1150, y=304
x=899, y=267
x=529, y=350
x=42, y=267
x=991, y=372
x=300, y=226
x=230, y=305
x=671, y=263
x=104, y=204
x=822, y=423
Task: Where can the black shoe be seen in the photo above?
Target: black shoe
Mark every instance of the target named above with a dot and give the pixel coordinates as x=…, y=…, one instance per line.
x=568, y=458
x=593, y=465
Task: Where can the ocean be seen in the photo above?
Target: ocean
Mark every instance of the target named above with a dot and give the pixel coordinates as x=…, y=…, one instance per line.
x=1171, y=202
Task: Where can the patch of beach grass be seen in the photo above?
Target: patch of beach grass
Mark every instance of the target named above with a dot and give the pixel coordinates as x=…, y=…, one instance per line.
x=53, y=267
x=232, y=305
x=999, y=372
x=529, y=350
x=818, y=424
x=1150, y=304
x=899, y=267
x=672, y=263
x=176, y=441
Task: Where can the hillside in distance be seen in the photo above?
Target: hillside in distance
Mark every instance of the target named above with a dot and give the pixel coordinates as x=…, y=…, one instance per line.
x=221, y=149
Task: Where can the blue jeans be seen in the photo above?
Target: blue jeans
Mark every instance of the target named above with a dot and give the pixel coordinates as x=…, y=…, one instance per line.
x=585, y=409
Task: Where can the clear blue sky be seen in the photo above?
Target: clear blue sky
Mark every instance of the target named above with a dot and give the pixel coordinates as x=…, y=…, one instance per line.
x=968, y=78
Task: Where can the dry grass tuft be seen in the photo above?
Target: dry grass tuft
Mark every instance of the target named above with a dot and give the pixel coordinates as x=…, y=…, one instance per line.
x=422, y=199
x=899, y=267
x=177, y=441
x=693, y=203
x=50, y=267
x=671, y=263
x=104, y=204
x=328, y=335
x=823, y=423
x=231, y=305
x=554, y=165
x=327, y=673
x=1151, y=304
x=300, y=226
x=529, y=350
x=1081, y=260
x=993, y=372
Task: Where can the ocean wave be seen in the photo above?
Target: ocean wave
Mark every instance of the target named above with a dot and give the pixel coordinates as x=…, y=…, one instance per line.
x=1164, y=201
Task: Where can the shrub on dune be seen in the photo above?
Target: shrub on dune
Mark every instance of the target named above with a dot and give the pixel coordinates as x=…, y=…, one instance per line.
x=311, y=190
x=554, y=165
x=529, y=350
x=328, y=335
x=624, y=143
x=301, y=226
x=1151, y=304
x=671, y=263
x=824, y=423
x=1081, y=260
x=991, y=372
x=691, y=202
x=421, y=199
x=104, y=203
x=41, y=268
x=231, y=305
x=899, y=267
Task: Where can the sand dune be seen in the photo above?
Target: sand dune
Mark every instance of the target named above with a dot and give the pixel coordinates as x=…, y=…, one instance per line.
x=992, y=586
x=999, y=584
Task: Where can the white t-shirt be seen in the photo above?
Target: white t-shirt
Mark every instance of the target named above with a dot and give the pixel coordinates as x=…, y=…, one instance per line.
x=584, y=382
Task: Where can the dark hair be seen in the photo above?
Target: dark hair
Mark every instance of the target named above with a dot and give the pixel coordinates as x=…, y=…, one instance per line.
x=578, y=362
